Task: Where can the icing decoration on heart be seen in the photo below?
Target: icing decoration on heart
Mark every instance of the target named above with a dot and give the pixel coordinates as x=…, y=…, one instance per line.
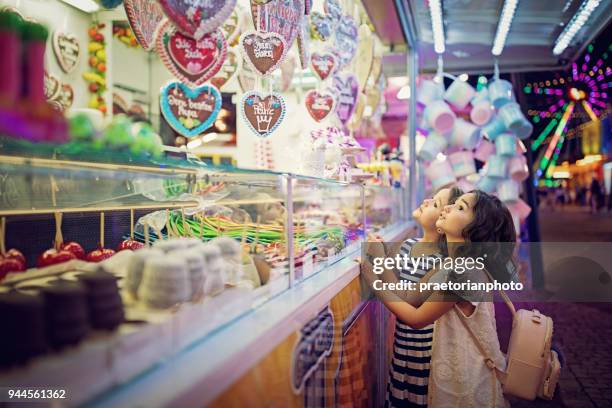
x=348, y=90
x=190, y=111
x=67, y=49
x=246, y=77
x=195, y=18
x=231, y=66
x=333, y=10
x=260, y=2
x=231, y=27
x=319, y=104
x=66, y=96
x=345, y=44
x=52, y=86
x=263, y=113
x=323, y=64
x=365, y=54
x=303, y=41
x=263, y=51
x=193, y=62
x=280, y=16
x=307, y=6
x=321, y=26
x=144, y=17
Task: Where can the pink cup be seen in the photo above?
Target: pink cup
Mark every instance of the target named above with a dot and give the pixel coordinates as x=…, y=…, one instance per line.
x=516, y=220
x=517, y=168
x=440, y=174
x=521, y=208
x=465, y=134
x=459, y=94
x=434, y=144
x=484, y=150
x=497, y=166
x=429, y=91
x=508, y=191
x=439, y=116
x=462, y=163
x=465, y=185
x=481, y=112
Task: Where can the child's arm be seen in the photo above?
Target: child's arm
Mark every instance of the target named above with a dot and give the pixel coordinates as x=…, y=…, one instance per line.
x=419, y=317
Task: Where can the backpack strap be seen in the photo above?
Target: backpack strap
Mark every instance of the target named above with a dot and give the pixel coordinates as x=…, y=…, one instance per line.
x=501, y=375
x=503, y=294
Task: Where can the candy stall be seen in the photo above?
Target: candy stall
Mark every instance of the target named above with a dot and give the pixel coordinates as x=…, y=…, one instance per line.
x=134, y=271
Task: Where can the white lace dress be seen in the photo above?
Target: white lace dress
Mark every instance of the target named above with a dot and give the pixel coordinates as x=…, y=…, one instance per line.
x=459, y=377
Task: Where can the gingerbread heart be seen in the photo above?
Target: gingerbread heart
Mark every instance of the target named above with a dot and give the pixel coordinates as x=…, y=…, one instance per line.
x=321, y=26
x=260, y=2
x=190, y=111
x=333, y=10
x=231, y=27
x=191, y=61
x=348, y=90
x=231, y=66
x=263, y=113
x=323, y=64
x=66, y=96
x=52, y=86
x=307, y=6
x=345, y=40
x=144, y=17
x=303, y=41
x=365, y=54
x=264, y=51
x=195, y=18
x=280, y=16
x=319, y=104
x=67, y=49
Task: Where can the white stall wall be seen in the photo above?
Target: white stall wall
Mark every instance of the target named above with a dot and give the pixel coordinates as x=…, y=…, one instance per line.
x=57, y=15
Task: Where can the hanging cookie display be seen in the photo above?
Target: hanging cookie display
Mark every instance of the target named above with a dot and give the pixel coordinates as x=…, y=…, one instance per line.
x=303, y=41
x=321, y=26
x=231, y=27
x=333, y=10
x=66, y=96
x=263, y=51
x=191, y=61
x=365, y=54
x=190, y=111
x=231, y=66
x=323, y=64
x=52, y=86
x=144, y=17
x=282, y=17
x=319, y=104
x=197, y=18
x=263, y=112
x=67, y=50
x=347, y=88
x=345, y=40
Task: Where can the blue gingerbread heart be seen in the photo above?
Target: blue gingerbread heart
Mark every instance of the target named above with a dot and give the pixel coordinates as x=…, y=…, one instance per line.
x=190, y=111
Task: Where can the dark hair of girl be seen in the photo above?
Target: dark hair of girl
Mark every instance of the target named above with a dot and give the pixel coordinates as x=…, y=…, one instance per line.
x=454, y=194
x=491, y=234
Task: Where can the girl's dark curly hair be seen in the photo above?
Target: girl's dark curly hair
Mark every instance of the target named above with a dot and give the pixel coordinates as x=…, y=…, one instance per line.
x=491, y=235
x=454, y=194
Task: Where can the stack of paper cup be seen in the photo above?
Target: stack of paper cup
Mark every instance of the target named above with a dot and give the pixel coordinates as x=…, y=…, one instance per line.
x=465, y=134
x=434, y=144
x=505, y=144
x=462, y=163
x=440, y=174
x=459, y=94
x=508, y=191
x=487, y=184
x=521, y=208
x=500, y=93
x=429, y=91
x=481, y=111
x=493, y=129
x=465, y=185
x=439, y=116
x=497, y=166
x=514, y=120
x=484, y=150
x=517, y=168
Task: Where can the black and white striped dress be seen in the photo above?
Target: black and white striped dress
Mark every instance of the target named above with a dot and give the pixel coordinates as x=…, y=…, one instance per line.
x=409, y=370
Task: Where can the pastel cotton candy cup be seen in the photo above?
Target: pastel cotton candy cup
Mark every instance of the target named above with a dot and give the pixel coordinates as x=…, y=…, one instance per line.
x=514, y=120
x=481, y=111
x=487, y=184
x=508, y=191
x=521, y=208
x=517, y=168
x=434, y=144
x=439, y=116
x=493, y=129
x=429, y=91
x=497, y=166
x=500, y=93
x=484, y=150
x=505, y=144
x=459, y=94
x=440, y=174
x=465, y=185
x=462, y=163
x=465, y=134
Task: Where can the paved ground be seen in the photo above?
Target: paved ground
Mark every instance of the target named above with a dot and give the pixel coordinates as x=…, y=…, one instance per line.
x=583, y=330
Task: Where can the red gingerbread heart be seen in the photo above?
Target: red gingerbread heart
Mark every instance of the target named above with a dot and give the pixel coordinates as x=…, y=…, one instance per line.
x=323, y=64
x=319, y=104
x=264, y=51
x=192, y=61
x=144, y=17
